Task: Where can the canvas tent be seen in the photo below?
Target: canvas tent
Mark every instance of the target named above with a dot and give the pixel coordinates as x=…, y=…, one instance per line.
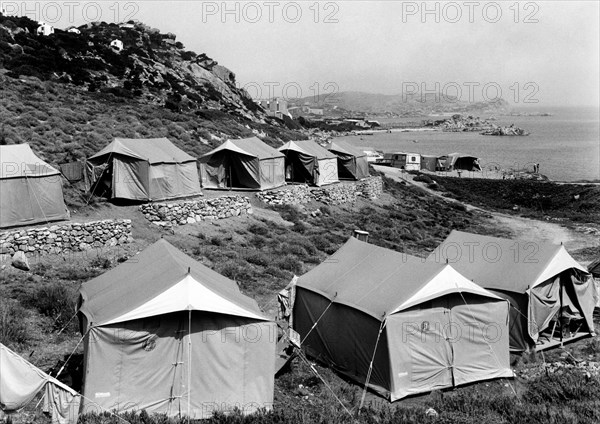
x=352, y=162
x=430, y=163
x=458, y=161
x=246, y=163
x=30, y=189
x=594, y=268
x=543, y=283
x=143, y=169
x=166, y=334
x=307, y=162
x=21, y=381
x=368, y=302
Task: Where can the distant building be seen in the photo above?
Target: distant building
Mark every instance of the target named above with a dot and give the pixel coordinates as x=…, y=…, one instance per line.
x=402, y=160
x=313, y=111
x=73, y=30
x=45, y=29
x=126, y=25
x=116, y=45
x=277, y=107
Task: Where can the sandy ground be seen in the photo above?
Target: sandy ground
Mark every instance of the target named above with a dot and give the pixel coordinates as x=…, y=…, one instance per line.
x=522, y=229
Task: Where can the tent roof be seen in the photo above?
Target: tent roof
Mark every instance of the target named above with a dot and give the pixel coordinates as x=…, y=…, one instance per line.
x=154, y=150
x=309, y=148
x=460, y=155
x=18, y=160
x=380, y=281
x=503, y=264
x=252, y=146
x=345, y=148
x=161, y=280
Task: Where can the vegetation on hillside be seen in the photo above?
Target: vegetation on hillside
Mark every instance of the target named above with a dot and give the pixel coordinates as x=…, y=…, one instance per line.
x=580, y=203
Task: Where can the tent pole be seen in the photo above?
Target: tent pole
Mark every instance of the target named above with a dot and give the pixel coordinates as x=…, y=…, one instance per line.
x=189, y=365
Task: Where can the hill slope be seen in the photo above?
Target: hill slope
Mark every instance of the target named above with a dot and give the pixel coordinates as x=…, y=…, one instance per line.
x=69, y=94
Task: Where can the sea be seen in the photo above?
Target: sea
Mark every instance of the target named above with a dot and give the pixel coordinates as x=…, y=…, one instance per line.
x=566, y=145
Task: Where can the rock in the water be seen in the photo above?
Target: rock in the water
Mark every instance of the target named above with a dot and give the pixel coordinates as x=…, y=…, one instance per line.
x=19, y=261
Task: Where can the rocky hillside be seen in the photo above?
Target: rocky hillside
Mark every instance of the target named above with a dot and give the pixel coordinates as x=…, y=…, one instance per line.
x=69, y=94
x=353, y=102
x=151, y=65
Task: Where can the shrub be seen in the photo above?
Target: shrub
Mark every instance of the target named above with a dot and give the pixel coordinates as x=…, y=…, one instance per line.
x=13, y=330
x=258, y=258
x=260, y=230
x=290, y=263
x=56, y=301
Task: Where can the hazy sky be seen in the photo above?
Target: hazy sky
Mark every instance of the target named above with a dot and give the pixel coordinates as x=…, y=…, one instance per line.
x=542, y=50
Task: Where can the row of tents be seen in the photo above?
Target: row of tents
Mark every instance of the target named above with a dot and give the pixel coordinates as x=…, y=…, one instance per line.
x=164, y=333
x=417, y=162
x=155, y=169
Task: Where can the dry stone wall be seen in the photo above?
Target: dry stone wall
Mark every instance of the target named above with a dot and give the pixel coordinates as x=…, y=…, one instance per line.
x=189, y=212
x=292, y=195
x=370, y=188
x=71, y=237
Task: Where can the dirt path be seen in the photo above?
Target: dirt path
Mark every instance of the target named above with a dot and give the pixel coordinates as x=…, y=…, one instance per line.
x=522, y=229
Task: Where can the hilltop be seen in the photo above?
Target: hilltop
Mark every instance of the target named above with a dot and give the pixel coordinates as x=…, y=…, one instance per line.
x=404, y=104
x=68, y=94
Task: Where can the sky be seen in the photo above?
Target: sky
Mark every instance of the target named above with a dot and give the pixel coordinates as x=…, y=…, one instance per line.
x=531, y=53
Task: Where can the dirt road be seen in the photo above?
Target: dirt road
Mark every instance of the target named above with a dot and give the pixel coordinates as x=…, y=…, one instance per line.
x=524, y=229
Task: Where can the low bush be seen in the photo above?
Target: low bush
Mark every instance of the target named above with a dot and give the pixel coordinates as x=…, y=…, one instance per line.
x=55, y=300
x=13, y=330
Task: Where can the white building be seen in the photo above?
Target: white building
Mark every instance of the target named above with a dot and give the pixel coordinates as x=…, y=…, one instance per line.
x=74, y=30
x=116, y=45
x=45, y=29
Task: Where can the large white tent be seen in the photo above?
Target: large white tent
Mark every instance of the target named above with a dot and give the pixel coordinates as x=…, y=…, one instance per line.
x=166, y=334
x=423, y=326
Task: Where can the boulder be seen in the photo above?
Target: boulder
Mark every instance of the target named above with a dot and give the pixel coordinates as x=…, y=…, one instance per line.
x=19, y=261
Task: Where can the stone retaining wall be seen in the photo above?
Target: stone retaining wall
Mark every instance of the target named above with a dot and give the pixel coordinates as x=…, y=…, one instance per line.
x=71, y=237
x=292, y=195
x=336, y=194
x=189, y=212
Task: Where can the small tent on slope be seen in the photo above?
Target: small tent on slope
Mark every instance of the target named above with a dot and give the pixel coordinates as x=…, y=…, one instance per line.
x=307, y=162
x=352, y=162
x=144, y=169
x=30, y=189
x=166, y=334
x=21, y=381
x=246, y=163
x=541, y=281
x=426, y=326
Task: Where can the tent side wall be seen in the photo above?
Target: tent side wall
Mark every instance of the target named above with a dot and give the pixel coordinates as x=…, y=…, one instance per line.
x=327, y=172
x=452, y=340
x=143, y=364
x=344, y=338
x=130, y=178
x=351, y=167
x=31, y=200
x=519, y=339
x=170, y=180
x=272, y=172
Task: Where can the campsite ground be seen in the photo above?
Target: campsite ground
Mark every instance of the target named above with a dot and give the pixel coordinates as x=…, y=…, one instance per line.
x=263, y=251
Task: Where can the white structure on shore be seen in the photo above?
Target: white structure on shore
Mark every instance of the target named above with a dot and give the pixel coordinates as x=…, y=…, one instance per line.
x=116, y=45
x=45, y=29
